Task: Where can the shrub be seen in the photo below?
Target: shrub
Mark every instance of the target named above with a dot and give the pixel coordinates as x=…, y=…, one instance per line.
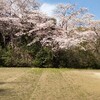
x=44, y=58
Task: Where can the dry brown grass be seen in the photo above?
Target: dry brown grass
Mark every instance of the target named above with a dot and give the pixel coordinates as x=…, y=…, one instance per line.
x=49, y=84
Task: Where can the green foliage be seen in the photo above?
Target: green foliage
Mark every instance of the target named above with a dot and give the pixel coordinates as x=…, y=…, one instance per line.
x=1, y=52
x=34, y=49
x=43, y=58
x=38, y=56
x=11, y=58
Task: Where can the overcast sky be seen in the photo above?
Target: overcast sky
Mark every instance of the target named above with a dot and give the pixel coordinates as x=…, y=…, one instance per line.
x=93, y=6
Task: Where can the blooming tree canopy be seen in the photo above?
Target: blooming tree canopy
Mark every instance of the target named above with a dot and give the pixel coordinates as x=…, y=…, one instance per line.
x=22, y=17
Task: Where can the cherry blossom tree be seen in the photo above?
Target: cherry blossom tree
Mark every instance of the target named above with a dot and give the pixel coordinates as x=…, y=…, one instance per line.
x=18, y=8
x=70, y=17
x=45, y=29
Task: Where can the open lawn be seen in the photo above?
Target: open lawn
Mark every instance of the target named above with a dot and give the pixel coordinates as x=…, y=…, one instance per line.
x=49, y=84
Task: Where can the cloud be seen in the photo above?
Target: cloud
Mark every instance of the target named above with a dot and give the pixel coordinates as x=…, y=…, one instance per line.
x=48, y=9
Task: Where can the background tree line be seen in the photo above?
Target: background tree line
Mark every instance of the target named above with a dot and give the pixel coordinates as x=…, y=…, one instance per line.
x=29, y=38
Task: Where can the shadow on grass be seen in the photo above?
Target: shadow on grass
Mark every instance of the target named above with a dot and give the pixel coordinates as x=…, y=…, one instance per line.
x=7, y=92
x=2, y=83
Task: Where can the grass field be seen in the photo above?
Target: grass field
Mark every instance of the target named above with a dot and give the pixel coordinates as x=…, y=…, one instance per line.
x=49, y=84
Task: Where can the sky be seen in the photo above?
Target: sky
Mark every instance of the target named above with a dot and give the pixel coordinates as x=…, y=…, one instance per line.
x=93, y=5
